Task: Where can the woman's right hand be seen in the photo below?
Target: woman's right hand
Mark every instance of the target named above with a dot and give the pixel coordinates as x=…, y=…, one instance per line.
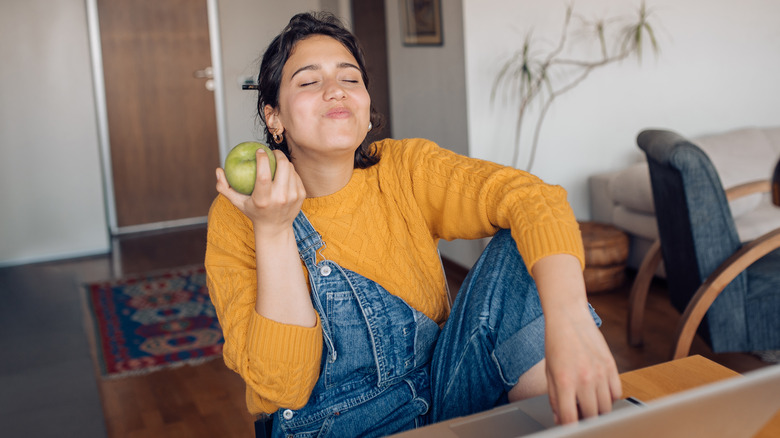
x=282, y=289
x=274, y=203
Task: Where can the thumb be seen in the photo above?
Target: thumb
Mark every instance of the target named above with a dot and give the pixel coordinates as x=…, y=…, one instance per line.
x=223, y=187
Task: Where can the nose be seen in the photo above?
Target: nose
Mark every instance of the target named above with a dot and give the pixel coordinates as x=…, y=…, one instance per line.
x=334, y=90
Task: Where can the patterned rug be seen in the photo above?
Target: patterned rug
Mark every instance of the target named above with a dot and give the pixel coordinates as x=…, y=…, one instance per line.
x=149, y=322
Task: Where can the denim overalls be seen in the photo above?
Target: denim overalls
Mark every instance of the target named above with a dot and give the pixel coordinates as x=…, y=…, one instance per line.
x=387, y=367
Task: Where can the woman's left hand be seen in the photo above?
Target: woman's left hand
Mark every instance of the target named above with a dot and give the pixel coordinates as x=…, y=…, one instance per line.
x=582, y=376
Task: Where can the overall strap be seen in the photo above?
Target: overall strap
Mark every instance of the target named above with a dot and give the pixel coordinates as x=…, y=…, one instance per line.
x=309, y=244
x=308, y=239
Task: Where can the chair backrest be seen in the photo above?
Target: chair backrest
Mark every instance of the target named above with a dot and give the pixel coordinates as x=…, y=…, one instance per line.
x=696, y=230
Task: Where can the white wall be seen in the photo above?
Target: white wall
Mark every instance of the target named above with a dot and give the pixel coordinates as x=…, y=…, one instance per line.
x=428, y=96
x=718, y=69
x=51, y=195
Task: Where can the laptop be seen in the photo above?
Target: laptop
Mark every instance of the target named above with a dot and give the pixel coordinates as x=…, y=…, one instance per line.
x=736, y=407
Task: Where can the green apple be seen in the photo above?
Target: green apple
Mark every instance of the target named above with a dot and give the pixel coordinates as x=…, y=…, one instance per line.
x=241, y=166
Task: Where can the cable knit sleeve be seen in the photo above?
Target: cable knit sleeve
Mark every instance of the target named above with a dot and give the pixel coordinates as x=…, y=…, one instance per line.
x=469, y=198
x=279, y=362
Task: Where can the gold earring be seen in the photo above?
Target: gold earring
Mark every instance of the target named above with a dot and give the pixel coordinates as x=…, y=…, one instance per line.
x=278, y=138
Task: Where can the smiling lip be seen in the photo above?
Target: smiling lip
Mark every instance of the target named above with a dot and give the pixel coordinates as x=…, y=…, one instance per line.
x=338, y=113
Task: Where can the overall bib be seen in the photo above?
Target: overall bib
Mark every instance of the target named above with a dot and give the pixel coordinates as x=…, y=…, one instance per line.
x=387, y=367
x=374, y=375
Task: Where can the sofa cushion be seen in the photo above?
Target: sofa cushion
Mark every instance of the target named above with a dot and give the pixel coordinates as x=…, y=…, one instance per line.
x=631, y=189
x=773, y=136
x=759, y=221
x=741, y=156
x=635, y=223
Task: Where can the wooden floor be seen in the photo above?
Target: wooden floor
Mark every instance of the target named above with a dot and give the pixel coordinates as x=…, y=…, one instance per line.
x=208, y=400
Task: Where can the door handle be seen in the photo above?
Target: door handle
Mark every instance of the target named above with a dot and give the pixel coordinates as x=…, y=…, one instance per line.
x=206, y=73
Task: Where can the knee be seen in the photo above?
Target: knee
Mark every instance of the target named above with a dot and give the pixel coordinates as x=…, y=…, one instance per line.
x=504, y=236
x=502, y=243
x=503, y=248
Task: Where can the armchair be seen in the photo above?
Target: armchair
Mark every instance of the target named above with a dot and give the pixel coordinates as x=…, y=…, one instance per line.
x=727, y=291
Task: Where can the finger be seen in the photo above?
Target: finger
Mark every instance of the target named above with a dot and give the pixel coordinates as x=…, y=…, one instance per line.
x=222, y=184
x=588, y=404
x=553, y=400
x=285, y=172
x=261, y=193
x=284, y=183
x=293, y=191
x=280, y=156
x=282, y=166
x=295, y=187
x=615, y=385
x=300, y=187
x=263, y=176
x=563, y=401
x=604, y=397
x=567, y=408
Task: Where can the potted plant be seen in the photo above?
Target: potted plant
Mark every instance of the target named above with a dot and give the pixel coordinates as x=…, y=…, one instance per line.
x=534, y=75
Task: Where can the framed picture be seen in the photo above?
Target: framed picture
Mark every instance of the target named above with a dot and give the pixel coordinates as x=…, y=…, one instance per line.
x=421, y=22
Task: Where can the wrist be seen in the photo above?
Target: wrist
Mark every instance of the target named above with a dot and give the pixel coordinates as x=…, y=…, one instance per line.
x=272, y=244
x=270, y=234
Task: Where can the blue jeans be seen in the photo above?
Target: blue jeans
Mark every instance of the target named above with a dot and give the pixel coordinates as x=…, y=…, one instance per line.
x=387, y=367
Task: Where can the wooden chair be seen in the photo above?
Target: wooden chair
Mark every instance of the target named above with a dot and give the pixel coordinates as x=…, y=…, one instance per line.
x=652, y=260
x=704, y=259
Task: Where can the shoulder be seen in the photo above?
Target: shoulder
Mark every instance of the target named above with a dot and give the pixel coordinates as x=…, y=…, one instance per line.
x=422, y=156
x=394, y=146
x=407, y=151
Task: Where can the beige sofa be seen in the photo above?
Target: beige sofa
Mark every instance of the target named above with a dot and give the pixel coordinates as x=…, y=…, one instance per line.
x=624, y=198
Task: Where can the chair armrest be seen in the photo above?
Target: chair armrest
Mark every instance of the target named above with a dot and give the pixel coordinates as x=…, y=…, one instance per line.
x=714, y=285
x=749, y=188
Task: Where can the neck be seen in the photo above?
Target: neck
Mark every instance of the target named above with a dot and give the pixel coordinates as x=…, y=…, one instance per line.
x=322, y=180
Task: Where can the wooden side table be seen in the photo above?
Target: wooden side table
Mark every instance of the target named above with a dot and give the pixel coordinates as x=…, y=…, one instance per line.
x=606, y=252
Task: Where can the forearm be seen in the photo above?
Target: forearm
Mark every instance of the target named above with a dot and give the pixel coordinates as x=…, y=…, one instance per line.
x=561, y=286
x=581, y=372
x=282, y=288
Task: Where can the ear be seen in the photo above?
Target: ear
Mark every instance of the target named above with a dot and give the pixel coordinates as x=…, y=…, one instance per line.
x=272, y=120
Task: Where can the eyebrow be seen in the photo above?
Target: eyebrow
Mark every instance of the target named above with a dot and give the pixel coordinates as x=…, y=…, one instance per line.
x=315, y=67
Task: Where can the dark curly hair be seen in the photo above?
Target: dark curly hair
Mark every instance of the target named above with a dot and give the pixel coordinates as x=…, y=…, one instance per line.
x=300, y=27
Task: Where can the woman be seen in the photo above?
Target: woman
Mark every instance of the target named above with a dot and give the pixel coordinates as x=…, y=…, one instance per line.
x=327, y=281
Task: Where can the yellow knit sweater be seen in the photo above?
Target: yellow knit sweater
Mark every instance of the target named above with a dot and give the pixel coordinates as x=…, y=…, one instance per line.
x=385, y=224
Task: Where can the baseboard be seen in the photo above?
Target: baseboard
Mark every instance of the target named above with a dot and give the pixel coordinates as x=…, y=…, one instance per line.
x=34, y=260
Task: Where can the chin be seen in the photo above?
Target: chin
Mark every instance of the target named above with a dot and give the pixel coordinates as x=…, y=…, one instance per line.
x=345, y=142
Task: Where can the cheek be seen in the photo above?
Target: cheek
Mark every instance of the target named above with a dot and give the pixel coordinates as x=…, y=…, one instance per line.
x=365, y=102
x=295, y=110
